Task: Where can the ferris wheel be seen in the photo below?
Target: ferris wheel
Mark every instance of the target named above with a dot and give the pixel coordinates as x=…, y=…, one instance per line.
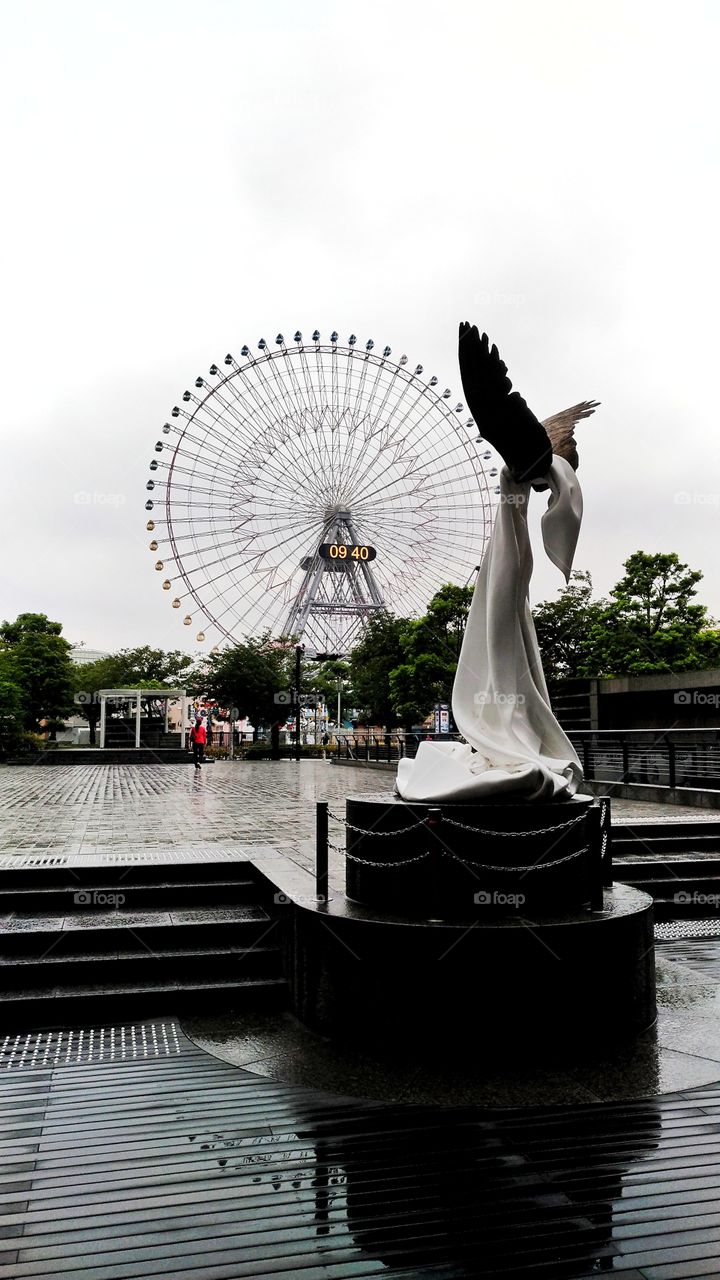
x=306, y=485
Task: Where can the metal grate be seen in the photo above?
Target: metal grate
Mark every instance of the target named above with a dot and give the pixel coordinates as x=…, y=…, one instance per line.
x=33, y=860
x=103, y=856
x=668, y=930
x=143, y=1040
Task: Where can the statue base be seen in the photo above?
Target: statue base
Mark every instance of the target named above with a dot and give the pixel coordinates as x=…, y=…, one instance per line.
x=483, y=929
x=456, y=861
x=481, y=991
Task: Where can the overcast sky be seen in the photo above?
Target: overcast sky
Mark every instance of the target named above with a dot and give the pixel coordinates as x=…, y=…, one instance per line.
x=180, y=178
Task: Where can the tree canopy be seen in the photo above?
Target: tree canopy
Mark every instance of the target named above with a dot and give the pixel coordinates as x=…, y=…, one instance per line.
x=431, y=648
x=34, y=658
x=651, y=623
x=378, y=653
x=248, y=676
x=563, y=628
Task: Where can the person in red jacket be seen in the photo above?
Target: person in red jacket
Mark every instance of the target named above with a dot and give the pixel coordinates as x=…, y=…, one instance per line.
x=198, y=738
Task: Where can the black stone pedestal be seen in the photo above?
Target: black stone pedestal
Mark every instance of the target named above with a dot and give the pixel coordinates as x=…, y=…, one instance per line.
x=506, y=986
x=456, y=861
x=476, y=929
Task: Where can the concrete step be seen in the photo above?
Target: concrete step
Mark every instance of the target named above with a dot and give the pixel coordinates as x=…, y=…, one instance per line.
x=170, y=965
x=125, y=895
x=240, y=870
x=81, y=931
x=685, y=833
x=670, y=870
x=53, y=1006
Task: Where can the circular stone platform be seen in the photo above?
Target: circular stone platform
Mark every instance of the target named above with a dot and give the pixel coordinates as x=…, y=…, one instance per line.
x=488, y=989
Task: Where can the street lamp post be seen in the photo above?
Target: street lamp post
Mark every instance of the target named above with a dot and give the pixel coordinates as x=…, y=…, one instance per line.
x=299, y=650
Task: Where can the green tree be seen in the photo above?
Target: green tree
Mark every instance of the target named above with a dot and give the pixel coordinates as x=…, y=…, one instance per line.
x=141, y=668
x=563, y=628
x=11, y=715
x=371, y=662
x=36, y=659
x=431, y=648
x=652, y=622
x=148, y=668
x=248, y=676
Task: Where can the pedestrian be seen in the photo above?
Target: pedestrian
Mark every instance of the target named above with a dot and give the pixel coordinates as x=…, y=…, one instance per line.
x=209, y=730
x=198, y=738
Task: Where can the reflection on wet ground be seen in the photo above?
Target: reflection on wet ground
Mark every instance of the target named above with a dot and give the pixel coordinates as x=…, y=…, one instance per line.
x=682, y=1051
x=169, y=1162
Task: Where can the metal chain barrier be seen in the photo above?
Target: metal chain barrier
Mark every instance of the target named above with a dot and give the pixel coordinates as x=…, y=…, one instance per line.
x=534, y=866
x=365, y=862
x=451, y=822
x=480, y=831
x=466, y=862
x=448, y=853
x=380, y=835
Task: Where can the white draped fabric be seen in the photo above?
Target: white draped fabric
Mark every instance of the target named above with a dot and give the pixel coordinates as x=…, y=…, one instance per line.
x=514, y=746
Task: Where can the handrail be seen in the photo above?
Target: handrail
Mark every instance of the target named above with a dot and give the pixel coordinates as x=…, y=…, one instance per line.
x=667, y=758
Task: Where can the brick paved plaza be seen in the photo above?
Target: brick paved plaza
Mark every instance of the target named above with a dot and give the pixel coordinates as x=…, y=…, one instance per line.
x=171, y=811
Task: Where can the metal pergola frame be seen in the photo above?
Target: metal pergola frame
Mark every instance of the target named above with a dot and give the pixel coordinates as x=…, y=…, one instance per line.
x=162, y=695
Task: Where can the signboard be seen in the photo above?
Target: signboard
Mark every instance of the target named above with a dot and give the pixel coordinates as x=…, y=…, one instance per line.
x=342, y=551
x=442, y=717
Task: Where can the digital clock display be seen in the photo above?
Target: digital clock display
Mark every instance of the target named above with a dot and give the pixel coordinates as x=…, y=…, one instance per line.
x=339, y=551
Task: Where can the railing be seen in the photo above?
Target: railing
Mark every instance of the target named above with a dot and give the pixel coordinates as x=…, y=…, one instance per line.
x=654, y=757
x=385, y=748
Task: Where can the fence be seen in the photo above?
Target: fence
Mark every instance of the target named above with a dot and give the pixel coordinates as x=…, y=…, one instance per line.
x=661, y=758
x=385, y=748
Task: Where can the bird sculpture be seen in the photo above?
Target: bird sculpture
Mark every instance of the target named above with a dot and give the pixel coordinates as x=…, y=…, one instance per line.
x=504, y=419
x=513, y=745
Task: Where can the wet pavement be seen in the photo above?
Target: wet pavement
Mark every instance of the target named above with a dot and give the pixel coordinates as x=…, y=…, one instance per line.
x=145, y=810
x=171, y=813
x=128, y=1152
x=131, y=1150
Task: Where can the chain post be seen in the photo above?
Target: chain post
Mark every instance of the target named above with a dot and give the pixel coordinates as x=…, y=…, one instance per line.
x=606, y=841
x=321, y=851
x=594, y=819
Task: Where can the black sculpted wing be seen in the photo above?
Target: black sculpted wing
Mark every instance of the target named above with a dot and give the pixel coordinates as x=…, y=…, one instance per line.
x=501, y=413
